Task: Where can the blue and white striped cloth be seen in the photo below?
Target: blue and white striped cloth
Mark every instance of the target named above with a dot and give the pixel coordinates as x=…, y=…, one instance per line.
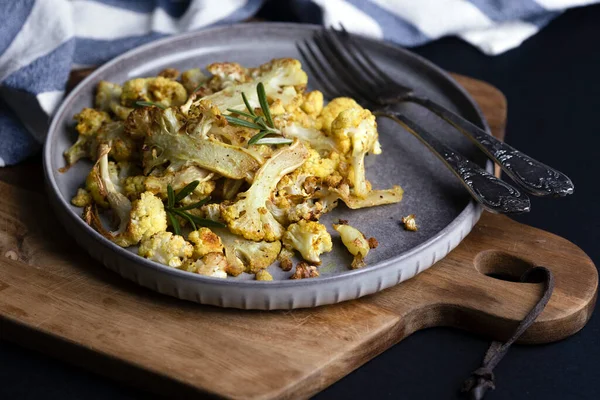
x=42, y=40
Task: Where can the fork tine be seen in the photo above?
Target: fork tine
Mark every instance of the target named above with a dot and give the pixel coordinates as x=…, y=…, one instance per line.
x=334, y=57
x=345, y=44
x=370, y=64
x=310, y=61
x=341, y=85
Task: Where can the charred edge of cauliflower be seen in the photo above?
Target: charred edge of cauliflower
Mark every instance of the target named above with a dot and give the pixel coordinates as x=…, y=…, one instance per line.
x=309, y=238
x=285, y=259
x=205, y=241
x=304, y=271
x=166, y=248
x=410, y=223
x=169, y=73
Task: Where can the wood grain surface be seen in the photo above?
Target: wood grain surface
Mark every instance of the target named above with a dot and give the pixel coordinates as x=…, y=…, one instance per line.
x=56, y=299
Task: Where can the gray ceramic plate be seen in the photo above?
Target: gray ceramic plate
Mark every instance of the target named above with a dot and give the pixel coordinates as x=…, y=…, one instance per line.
x=444, y=210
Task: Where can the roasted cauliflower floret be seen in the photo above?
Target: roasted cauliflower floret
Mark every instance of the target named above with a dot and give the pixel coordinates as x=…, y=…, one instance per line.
x=82, y=198
x=123, y=147
x=94, y=186
x=212, y=264
x=164, y=91
x=133, y=186
x=166, y=248
x=319, y=166
x=356, y=243
x=331, y=111
x=282, y=79
x=201, y=117
x=138, y=220
x=355, y=133
x=245, y=255
x=248, y=216
x=147, y=217
x=263, y=275
x=167, y=144
x=228, y=74
x=205, y=241
x=309, y=238
x=192, y=78
x=313, y=103
x=108, y=98
x=89, y=121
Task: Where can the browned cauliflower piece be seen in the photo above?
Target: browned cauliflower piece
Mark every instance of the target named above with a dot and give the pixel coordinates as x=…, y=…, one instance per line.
x=89, y=122
x=205, y=241
x=108, y=98
x=356, y=243
x=309, y=238
x=82, y=198
x=192, y=78
x=211, y=264
x=304, y=271
x=166, y=248
x=158, y=90
x=263, y=275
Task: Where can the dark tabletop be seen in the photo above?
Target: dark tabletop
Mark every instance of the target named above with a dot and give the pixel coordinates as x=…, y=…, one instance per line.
x=552, y=83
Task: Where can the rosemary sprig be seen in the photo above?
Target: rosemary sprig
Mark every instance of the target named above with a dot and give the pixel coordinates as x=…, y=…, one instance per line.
x=263, y=123
x=149, y=104
x=173, y=211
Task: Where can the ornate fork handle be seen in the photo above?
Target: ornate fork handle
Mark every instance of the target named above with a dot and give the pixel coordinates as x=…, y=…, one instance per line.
x=533, y=176
x=494, y=194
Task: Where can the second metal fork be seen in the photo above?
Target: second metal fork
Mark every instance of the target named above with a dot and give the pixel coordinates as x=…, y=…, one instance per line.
x=338, y=77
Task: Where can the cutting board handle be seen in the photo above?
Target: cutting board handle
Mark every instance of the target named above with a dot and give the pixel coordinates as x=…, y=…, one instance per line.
x=476, y=287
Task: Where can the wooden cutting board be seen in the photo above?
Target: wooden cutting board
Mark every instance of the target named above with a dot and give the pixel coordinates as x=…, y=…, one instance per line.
x=56, y=299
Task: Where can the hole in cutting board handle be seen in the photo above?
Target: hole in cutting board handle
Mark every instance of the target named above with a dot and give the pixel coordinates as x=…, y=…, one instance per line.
x=503, y=266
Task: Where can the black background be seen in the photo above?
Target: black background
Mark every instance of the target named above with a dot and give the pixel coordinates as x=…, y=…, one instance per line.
x=553, y=91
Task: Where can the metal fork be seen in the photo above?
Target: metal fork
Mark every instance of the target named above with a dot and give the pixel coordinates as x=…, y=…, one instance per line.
x=533, y=176
x=337, y=78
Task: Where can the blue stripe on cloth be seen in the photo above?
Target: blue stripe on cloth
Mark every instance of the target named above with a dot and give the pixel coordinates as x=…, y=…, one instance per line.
x=502, y=10
x=542, y=20
x=13, y=15
x=96, y=52
x=16, y=144
x=53, y=67
x=175, y=8
x=394, y=27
